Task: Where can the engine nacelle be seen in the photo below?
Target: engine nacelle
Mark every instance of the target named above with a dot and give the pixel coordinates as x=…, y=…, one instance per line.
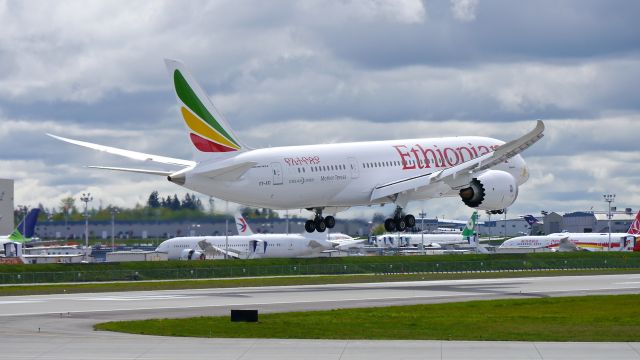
x=191, y=254
x=493, y=190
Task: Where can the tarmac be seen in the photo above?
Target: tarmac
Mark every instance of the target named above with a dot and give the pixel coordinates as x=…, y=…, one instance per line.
x=60, y=326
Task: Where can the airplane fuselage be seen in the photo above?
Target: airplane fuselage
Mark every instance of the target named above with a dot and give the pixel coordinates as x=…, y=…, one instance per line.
x=268, y=246
x=341, y=175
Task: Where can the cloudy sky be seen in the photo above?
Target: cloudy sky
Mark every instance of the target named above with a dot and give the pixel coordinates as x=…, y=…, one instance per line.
x=289, y=73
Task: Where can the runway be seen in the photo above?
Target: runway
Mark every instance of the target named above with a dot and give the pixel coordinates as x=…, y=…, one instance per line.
x=60, y=326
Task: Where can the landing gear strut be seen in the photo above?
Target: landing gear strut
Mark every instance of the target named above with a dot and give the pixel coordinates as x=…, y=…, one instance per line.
x=319, y=223
x=399, y=222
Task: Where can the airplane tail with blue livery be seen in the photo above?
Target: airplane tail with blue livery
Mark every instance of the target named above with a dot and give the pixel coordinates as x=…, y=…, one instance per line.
x=26, y=228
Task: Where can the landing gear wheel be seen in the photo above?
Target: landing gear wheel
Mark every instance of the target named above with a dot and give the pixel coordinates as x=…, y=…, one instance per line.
x=310, y=226
x=330, y=221
x=389, y=225
x=321, y=226
x=401, y=225
x=410, y=220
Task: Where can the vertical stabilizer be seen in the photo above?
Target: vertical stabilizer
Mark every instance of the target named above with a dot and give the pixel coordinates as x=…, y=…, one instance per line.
x=469, y=231
x=208, y=131
x=634, y=229
x=242, y=225
x=25, y=229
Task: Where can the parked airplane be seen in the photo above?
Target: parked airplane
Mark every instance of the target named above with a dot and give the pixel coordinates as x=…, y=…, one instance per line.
x=242, y=246
x=467, y=236
x=484, y=172
x=566, y=241
x=25, y=229
x=340, y=241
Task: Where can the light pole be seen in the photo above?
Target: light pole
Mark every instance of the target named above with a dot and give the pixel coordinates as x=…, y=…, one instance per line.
x=113, y=212
x=86, y=198
x=609, y=198
x=422, y=215
x=489, y=224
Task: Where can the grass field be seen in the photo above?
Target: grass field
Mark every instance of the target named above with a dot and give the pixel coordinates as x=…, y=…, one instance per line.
x=14, y=290
x=584, y=318
x=595, y=257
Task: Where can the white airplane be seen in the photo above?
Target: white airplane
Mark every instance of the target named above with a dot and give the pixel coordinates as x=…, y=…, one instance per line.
x=242, y=246
x=25, y=229
x=566, y=241
x=484, y=172
x=467, y=236
x=340, y=241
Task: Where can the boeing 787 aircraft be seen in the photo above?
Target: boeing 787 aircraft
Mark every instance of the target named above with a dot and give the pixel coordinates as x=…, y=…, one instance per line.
x=484, y=172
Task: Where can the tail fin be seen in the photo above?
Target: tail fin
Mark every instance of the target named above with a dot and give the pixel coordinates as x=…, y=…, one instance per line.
x=634, y=229
x=25, y=229
x=242, y=225
x=209, y=132
x=530, y=219
x=469, y=232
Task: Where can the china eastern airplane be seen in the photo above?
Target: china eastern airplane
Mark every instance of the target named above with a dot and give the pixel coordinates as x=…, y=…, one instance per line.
x=566, y=241
x=325, y=179
x=243, y=246
x=340, y=241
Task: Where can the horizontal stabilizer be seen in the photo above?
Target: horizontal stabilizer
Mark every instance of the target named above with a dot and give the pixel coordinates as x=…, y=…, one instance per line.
x=142, y=171
x=127, y=153
x=230, y=172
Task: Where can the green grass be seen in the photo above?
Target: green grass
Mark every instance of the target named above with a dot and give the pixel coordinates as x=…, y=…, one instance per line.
x=15, y=290
x=583, y=318
x=355, y=260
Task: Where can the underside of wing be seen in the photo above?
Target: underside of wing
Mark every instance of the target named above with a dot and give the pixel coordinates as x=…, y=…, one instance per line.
x=127, y=153
x=141, y=171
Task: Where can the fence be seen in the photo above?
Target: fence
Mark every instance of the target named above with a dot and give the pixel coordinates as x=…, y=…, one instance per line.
x=320, y=269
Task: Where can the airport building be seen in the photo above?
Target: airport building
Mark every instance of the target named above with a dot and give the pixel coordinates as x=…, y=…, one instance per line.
x=597, y=222
x=74, y=230
x=6, y=206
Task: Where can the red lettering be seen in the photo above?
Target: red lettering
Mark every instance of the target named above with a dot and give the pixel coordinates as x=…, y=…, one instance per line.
x=416, y=155
x=441, y=164
x=457, y=156
x=483, y=150
x=469, y=153
x=405, y=163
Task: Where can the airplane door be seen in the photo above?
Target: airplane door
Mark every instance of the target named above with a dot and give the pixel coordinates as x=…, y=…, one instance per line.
x=276, y=171
x=353, y=166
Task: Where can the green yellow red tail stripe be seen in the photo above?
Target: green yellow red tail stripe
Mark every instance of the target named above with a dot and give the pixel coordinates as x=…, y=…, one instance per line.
x=207, y=134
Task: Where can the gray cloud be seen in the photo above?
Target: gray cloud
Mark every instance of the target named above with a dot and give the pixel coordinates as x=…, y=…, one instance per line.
x=338, y=71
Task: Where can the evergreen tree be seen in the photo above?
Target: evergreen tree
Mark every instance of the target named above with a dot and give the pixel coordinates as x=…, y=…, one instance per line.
x=187, y=202
x=153, y=201
x=175, y=203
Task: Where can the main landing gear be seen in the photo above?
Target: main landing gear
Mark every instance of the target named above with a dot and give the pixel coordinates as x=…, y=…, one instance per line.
x=319, y=223
x=399, y=222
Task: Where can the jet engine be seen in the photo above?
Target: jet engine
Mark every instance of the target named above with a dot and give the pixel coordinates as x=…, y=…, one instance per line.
x=191, y=254
x=492, y=190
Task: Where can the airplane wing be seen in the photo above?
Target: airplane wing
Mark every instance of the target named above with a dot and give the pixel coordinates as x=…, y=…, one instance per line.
x=127, y=153
x=451, y=175
x=211, y=250
x=346, y=244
